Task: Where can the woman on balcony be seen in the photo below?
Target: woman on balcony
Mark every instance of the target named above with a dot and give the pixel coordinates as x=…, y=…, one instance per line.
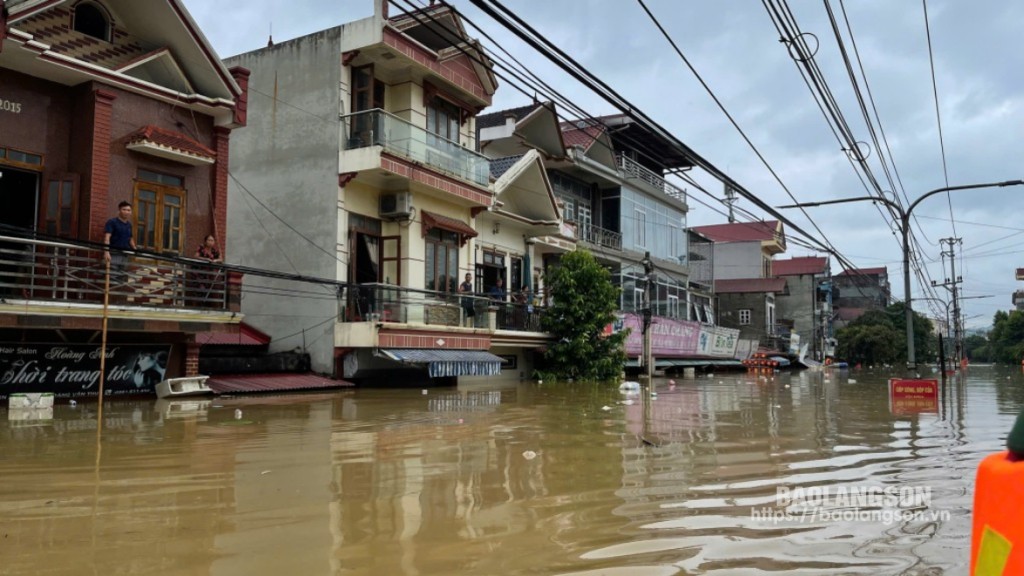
x=206, y=285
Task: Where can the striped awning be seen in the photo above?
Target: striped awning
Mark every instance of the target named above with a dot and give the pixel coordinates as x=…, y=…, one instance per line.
x=448, y=362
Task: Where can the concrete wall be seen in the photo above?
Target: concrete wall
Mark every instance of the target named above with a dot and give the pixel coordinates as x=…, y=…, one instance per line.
x=729, y=306
x=799, y=306
x=287, y=157
x=738, y=260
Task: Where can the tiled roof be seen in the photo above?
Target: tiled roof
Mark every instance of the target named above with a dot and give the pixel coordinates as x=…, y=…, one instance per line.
x=864, y=271
x=170, y=139
x=740, y=231
x=750, y=285
x=583, y=137
x=800, y=265
x=501, y=165
x=235, y=383
x=246, y=336
x=849, y=314
x=498, y=118
x=434, y=220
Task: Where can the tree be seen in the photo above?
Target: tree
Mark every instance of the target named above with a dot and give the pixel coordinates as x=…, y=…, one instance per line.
x=1006, y=341
x=879, y=337
x=584, y=303
x=977, y=349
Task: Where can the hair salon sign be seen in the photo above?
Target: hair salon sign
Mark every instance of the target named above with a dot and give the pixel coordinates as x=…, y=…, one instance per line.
x=73, y=370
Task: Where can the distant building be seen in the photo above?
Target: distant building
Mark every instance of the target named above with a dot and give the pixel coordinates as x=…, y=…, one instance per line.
x=807, y=304
x=749, y=305
x=858, y=291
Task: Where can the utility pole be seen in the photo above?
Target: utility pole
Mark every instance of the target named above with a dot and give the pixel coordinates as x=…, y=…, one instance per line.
x=730, y=199
x=950, y=284
x=648, y=314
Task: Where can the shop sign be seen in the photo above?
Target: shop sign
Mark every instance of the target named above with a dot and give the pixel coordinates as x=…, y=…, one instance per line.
x=72, y=370
x=10, y=106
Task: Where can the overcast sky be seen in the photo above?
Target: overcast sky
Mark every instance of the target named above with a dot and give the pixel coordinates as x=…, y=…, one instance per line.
x=735, y=47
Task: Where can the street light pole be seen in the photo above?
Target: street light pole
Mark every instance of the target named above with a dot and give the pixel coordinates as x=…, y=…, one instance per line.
x=905, y=233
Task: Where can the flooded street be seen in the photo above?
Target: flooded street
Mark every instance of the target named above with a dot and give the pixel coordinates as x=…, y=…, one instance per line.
x=520, y=478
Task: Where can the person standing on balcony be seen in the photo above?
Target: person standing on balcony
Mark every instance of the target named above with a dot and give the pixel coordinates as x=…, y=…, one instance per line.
x=117, y=234
x=497, y=292
x=207, y=278
x=468, y=307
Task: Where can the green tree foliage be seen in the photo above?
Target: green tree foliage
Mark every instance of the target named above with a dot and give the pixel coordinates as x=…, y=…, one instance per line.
x=879, y=337
x=585, y=302
x=1006, y=341
x=977, y=349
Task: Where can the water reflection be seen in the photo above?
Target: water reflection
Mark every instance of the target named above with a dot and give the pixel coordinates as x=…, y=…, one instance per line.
x=515, y=478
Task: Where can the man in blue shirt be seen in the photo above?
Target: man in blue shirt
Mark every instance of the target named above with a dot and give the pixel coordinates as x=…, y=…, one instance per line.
x=117, y=234
x=497, y=291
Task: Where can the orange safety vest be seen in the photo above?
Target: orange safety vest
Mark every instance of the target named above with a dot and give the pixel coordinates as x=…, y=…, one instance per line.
x=997, y=533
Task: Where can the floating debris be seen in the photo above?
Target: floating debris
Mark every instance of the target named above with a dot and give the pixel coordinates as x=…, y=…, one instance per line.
x=529, y=454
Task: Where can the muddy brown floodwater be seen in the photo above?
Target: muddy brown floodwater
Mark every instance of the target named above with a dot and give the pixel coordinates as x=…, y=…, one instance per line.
x=513, y=478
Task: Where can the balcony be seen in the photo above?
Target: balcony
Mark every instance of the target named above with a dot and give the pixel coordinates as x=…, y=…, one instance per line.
x=406, y=140
x=599, y=236
x=52, y=278
x=633, y=169
x=388, y=304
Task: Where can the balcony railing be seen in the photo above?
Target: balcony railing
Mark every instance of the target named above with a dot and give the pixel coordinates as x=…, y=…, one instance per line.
x=642, y=173
x=379, y=128
x=385, y=303
x=41, y=270
x=599, y=236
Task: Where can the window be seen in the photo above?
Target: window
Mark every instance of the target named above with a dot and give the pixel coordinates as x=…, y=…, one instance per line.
x=60, y=207
x=673, y=306
x=745, y=317
x=21, y=159
x=641, y=227
x=92, y=21
x=443, y=119
x=442, y=260
x=159, y=212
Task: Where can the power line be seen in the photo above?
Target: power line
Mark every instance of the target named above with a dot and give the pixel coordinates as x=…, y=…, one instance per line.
x=938, y=115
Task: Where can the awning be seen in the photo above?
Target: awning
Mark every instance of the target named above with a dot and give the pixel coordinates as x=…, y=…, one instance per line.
x=433, y=220
x=170, y=145
x=449, y=362
x=267, y=382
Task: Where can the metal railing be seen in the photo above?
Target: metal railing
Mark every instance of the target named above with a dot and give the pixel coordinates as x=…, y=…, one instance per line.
x=632, y=168
x=599, y=236
x=42, y=270
x=402, y=138
x=386, y=303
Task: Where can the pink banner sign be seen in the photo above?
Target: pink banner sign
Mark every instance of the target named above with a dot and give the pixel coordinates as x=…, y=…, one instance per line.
x=669, y=337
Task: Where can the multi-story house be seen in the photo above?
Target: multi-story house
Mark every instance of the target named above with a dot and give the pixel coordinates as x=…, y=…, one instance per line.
x=858, y=291
x=807, y=304
x=363, y=141
x=615, y=201
x=742, y=268
x=99, y=106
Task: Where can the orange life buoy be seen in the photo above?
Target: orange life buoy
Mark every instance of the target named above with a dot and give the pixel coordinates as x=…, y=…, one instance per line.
x=997, y=532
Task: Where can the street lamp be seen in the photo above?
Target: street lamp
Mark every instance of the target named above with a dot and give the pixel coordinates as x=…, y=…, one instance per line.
x=905, y=232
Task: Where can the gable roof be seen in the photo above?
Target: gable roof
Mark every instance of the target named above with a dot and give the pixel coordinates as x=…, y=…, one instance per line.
x=498, y=118
x=799, y=265
x=187, y=72
x=582, y=134
x=750, y=285
x=864, y=272
x=524, y=190
x=741, y=231
x=501, y=165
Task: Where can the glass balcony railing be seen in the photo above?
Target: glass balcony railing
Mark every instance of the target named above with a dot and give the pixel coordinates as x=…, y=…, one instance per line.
x=402, y=138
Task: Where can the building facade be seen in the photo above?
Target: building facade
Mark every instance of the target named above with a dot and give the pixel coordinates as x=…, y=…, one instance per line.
x=394, y=203
x=807, y=305
x=99, y=107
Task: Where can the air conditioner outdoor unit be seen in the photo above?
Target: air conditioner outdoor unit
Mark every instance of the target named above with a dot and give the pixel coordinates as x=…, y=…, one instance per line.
x=396, y=205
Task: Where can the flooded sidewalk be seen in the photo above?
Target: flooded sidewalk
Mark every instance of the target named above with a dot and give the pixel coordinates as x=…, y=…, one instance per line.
x=790, y=473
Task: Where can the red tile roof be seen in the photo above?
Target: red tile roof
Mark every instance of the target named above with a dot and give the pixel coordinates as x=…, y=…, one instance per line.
x=435, y=220
x=582, y=137
x=864, y=271
x=850, y=314
x=170, y=139
x=750, y=285
x=235, y=383
x=799, y=265
x=741, y=231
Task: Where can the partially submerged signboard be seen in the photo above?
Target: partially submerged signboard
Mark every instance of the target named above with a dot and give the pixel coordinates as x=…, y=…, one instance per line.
x=913, y=396
x=73, y=370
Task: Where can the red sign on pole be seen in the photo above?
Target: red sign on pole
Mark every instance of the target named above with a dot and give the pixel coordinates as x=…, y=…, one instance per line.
x=913, y=396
